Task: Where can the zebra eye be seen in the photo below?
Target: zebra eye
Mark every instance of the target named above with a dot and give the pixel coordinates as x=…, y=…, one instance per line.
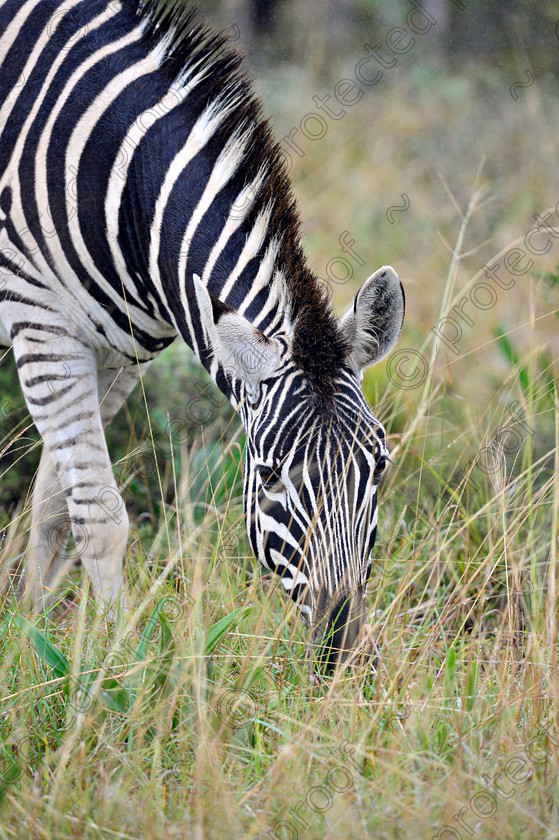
x=379, y=469
x=269, y=476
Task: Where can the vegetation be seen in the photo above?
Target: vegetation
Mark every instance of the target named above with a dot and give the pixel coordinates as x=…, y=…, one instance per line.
x=196, y=716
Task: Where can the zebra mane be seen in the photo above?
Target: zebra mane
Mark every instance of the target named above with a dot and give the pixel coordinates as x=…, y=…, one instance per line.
x=319, y=347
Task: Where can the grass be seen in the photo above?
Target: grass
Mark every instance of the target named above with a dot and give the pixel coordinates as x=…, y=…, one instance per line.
x=195, y=717
x=198, y=716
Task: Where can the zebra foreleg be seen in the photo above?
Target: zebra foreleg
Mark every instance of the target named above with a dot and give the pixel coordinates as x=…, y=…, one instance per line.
x=70, y=422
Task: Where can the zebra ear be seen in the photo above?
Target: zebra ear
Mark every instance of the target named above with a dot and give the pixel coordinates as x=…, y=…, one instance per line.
x=237, y=344
x=374, y=322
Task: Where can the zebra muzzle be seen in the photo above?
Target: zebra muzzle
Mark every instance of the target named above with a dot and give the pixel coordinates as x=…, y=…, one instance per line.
x=343, y=636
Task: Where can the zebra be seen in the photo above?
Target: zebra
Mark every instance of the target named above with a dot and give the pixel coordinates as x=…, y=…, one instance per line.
x=143, y=197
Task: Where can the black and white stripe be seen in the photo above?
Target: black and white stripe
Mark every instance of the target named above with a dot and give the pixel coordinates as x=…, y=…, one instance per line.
x=142, y=197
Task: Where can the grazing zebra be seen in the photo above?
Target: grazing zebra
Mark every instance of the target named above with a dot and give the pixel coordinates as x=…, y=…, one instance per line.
x=142, y=197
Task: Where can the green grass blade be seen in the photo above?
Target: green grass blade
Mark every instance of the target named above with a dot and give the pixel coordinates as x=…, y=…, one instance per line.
x=166, y=633
x=219, y=630
x=44, y=647
x=149, y=630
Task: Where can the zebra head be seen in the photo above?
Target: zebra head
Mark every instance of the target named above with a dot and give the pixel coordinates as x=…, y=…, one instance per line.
x=313, y=458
